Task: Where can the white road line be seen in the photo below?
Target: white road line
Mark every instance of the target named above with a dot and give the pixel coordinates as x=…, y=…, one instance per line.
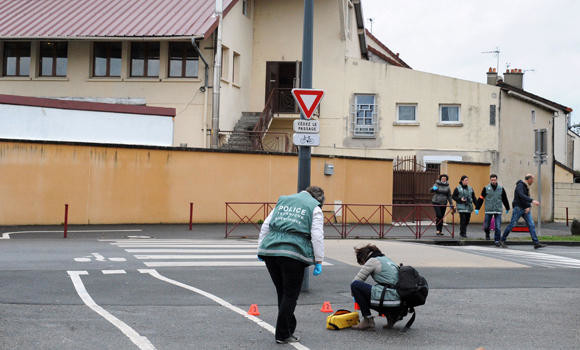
x=191, y=251
x=141, y=341
x=193, y=241
x=209, y=263
x=166, y=245
x=542, y=259
x=113, y=272
x=221, y=302
x=6, y=235
x=117, y=259
x=83, y=259
x=200, y=257
x=99, y=257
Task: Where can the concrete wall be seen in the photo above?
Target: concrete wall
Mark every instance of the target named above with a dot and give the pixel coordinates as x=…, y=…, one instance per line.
x=105, y=185
x=478, y=177
x=567, y=195
x=517, y=149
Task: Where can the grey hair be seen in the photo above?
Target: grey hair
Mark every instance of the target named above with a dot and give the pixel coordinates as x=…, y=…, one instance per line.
x=317, y=193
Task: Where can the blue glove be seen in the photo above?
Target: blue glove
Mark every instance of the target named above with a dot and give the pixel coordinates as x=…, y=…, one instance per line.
x=435, y=188
x=476, y=212
x=317, y=269
x=507, y=211
x=260, y=259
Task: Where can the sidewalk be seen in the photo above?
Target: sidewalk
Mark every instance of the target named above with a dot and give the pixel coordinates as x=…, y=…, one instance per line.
x=218, y=231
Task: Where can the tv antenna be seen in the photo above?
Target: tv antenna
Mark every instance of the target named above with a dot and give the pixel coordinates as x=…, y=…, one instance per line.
x=496, y=52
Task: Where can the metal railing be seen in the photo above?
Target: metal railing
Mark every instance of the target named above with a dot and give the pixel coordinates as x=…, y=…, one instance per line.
x=256, y=141
x=348, y=220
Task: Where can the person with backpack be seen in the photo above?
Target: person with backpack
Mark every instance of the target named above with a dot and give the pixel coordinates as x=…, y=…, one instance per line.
x=464, y=197
x=441, y=196
x=384, y=272
x=291, y=239
x=494, y=196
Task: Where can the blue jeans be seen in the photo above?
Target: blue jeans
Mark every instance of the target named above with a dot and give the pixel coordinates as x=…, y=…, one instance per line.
x=361, y=292
x=517, y=213
x=497, y=223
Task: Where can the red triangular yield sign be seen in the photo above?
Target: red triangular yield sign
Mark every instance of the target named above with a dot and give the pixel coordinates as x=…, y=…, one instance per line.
x=307, y=99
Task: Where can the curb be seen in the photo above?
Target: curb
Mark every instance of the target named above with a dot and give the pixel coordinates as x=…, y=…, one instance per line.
x=456, y=242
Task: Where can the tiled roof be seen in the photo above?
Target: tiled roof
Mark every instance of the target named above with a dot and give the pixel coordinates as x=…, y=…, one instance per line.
x=53, y=19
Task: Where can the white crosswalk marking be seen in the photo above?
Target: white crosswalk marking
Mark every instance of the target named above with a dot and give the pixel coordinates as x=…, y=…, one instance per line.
x=192, y=253
x=526, y=257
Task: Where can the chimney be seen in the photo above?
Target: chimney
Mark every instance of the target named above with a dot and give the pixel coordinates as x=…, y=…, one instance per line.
x=514, y=77
x=491, y=76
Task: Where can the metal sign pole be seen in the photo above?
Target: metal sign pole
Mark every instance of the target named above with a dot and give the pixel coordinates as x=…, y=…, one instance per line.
x=306, y=82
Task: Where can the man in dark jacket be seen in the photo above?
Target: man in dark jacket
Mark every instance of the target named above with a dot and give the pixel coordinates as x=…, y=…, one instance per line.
x=522, y=208
x=494, y=196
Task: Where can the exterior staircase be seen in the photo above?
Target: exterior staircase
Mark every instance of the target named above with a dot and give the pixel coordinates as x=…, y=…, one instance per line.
x=240, y=138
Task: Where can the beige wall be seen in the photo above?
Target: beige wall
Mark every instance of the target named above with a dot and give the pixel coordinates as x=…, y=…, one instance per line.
x=567, y=195
x=148, y=185
x=517, y=149
x=478, y=177
x=562, y=175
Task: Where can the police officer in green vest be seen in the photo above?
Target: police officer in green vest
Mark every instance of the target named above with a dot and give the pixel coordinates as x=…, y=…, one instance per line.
x=464, y=196
x=494, y=195
x=291, y=239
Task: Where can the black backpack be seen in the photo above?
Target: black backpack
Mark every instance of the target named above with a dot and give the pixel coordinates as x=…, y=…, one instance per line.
x=413, y=290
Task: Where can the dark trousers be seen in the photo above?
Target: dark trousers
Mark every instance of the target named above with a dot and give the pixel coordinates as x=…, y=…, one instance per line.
x=287, y=275
x=439, y=214
x=464, y=219
x=497, y=224
x=361, y=292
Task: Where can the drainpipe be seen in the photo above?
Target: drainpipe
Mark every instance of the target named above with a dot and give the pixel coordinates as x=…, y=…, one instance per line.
x=217, y=72
x=203, y=89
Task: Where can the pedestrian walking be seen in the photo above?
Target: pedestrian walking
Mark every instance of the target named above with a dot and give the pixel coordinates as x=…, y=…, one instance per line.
x=385, y=273
x=494, y=196
x=523, y=208
x=291, y=239
x=464, y=198
x=441, y=196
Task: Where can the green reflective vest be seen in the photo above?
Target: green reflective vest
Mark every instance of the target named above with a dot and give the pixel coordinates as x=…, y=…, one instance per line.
x=290, y=226
x=493, y=203
x=468, y=195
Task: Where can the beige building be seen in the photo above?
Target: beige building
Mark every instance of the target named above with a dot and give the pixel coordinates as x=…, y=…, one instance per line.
x=375, y=105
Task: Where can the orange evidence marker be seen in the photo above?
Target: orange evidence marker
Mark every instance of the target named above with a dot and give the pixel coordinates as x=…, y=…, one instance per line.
x=254, y=310
x=326, y=307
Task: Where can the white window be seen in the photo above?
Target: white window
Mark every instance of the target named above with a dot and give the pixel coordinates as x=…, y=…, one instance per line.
x=246, y=7
x=406, y=113
x=364, y=116
x=449, y=113
x=533, y=117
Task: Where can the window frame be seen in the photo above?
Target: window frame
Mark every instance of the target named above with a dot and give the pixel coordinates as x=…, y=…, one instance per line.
x=146, y=59
x=225, y=64
x=108, y=59
x=5, y=61
x=236, y=58
x=358, y=130
x=184, y=59
x=441, y=106
x=247, y=8
x=399, y=121
x=54, y=52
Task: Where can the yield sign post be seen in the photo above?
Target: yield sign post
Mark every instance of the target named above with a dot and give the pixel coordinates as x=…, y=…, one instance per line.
x=308, y=100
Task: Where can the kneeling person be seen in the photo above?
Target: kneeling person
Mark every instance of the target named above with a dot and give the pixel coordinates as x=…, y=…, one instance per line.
x=386, y=274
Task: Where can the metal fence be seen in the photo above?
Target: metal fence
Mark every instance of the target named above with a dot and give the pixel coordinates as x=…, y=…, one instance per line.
x=244, y=219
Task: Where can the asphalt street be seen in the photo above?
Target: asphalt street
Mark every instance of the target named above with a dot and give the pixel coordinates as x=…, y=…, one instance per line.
x=121, y=290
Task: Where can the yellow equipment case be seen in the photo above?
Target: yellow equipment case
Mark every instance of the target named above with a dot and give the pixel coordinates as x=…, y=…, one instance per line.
x=342, y=319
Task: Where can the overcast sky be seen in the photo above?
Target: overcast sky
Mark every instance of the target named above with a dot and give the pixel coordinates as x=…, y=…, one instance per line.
x=447, y=37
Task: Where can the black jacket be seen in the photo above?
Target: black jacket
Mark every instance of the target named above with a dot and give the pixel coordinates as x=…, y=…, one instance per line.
x=522, y=197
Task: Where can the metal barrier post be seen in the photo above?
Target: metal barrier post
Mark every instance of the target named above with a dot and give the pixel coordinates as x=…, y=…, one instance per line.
x=190, y=215
x=226, y=219
x=453, y=224
x=65, y=219
x=566, y=216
